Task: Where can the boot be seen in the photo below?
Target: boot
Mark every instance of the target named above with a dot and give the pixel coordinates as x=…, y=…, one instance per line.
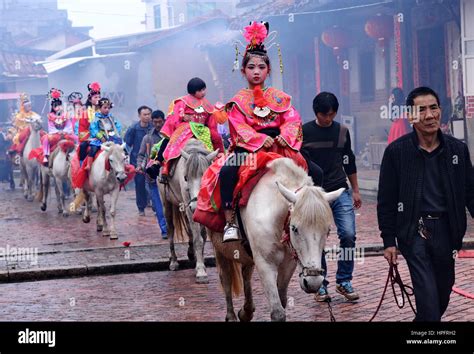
x=87, y=164
x=164, y=173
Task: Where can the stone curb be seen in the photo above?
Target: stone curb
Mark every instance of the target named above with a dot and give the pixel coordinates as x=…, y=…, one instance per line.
x=150, y=265
x=20, y=275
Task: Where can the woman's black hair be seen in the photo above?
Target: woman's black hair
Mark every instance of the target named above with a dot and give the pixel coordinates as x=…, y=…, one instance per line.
x=103, y=101
x=54, y=103
x=250, y=55
x=195, y=84
x=399, y=96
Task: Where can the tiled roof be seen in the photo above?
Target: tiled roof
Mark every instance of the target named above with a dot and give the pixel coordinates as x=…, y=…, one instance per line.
x=15, y=64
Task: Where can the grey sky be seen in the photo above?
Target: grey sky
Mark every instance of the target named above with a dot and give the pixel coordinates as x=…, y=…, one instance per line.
x=109, y=17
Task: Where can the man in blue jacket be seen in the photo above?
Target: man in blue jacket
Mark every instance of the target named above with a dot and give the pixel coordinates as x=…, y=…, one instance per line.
x=133, y=138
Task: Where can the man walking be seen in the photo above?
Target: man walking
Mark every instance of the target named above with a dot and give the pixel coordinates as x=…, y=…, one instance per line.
x=426, y=183
x=133, y=138
x=328, y=145
x=153, y=137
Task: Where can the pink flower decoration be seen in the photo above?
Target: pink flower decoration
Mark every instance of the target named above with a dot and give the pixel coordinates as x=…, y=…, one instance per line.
x=95, y=86
x=255, y=33
x=55, y=94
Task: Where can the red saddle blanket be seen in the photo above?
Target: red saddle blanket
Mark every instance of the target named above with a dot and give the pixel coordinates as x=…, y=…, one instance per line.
x=38, y=154
x=79, y=176
x=23, y=138
x=209, y=212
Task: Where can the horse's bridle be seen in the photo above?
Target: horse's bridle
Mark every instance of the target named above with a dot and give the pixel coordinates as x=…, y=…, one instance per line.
x=305, y=271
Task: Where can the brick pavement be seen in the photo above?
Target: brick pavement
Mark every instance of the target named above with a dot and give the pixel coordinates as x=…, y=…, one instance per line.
x=22, y=224
x=174, y=296
x=68, y=242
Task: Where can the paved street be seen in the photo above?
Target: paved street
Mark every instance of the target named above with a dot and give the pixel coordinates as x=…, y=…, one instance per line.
x=164, y=295
x=174, y=296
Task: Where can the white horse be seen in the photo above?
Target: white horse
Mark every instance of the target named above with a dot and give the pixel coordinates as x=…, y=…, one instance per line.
x=179, y=198
x=30, y=168
x=60, y=169
x=285, y=192
x=101, y=182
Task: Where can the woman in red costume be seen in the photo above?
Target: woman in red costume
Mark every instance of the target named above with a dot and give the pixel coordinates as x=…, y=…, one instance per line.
x=190, y=116
x=260, y=119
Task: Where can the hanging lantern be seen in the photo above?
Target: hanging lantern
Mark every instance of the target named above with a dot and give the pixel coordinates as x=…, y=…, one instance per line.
x=336, y=38
x=380, y=27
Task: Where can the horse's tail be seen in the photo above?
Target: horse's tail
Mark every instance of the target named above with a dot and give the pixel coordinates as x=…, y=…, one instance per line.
x=233, y=269
x=181, y=232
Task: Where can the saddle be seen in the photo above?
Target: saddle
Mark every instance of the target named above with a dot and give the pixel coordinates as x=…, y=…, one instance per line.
x=209, y=212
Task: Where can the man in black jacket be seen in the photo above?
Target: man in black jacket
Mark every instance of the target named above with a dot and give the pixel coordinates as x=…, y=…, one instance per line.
x=426, y=182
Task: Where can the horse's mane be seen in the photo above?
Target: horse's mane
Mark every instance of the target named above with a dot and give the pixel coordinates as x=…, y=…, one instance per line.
x=310, y=207
x=196, y=164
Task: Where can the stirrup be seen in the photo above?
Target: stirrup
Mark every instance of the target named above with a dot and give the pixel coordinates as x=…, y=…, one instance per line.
x=231, y=233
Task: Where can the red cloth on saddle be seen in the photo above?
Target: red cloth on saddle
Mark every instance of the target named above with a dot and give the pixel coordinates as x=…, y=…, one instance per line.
x=23, y=138
x=79, y=176
x=64, y=145
x=209, y=212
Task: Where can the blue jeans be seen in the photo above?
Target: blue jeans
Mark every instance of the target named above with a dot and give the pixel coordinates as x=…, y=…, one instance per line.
x=140, y=192
x=156, y=201
x=344, y=218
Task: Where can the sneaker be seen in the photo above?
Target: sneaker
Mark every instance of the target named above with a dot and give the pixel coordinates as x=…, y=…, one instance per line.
x=164, y=236
x=141, y=213
x=345, y=289
x=322, y=295
x=231, y=233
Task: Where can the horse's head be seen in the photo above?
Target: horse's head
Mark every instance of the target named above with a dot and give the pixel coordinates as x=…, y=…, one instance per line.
x=197, y=160
x=117, y=159
x=35, y=122
x=310, y=221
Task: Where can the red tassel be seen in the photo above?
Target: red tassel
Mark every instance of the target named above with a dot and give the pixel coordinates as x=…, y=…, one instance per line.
x=258, y=97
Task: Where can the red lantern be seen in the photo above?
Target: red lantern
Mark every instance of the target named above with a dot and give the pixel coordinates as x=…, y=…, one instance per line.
x=380, y=27
x=336, y=38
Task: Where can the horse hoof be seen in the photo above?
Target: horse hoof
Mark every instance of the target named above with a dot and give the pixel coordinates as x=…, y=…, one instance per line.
x=230, y=318
x=86, y=219
x=30, y=199
x=174, y=266
x=113, y=236
x=244, y=317
x=43, y=207
x=60, y=211
x=65, y=214
x=203, y=279
x=100, y=228
x=106, y=233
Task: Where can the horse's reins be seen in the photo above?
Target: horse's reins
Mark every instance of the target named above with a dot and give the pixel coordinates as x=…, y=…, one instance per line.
x=393, y=275
x=395, y=278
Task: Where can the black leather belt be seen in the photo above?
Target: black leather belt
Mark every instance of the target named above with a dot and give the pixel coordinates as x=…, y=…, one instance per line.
x=433, y=216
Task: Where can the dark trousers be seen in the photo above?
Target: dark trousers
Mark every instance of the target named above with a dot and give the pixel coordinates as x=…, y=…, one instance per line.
x=229, y=176
x=83, y=150
x=140, y=191
x=431, y=265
